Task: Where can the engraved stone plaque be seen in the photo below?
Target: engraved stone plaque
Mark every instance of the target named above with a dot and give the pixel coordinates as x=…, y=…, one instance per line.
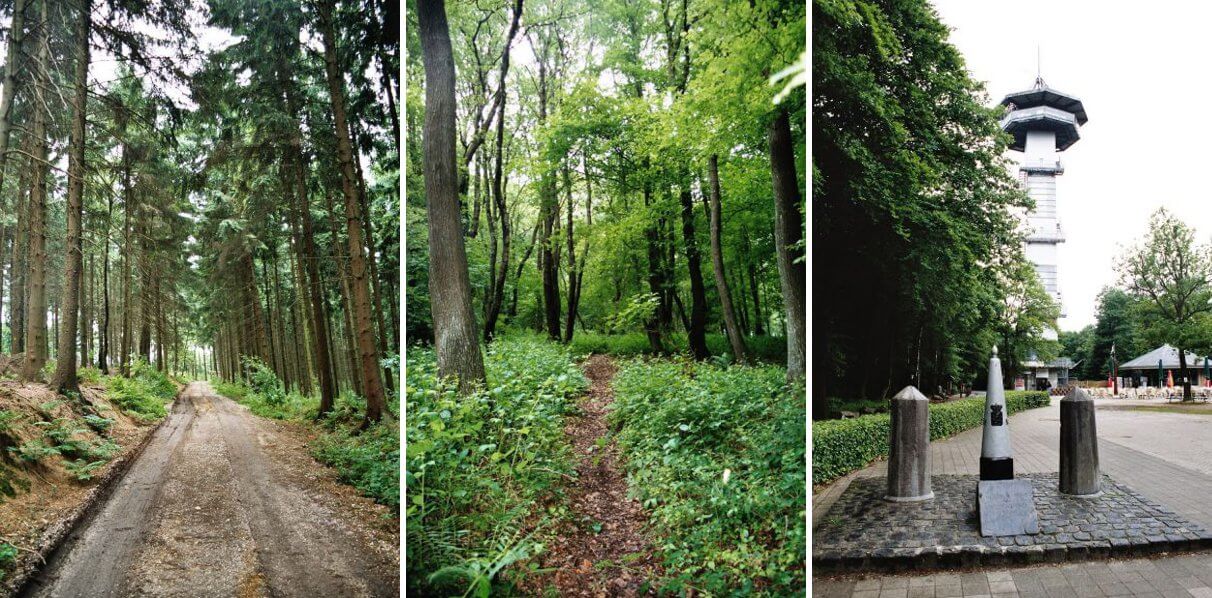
x=1007, y=508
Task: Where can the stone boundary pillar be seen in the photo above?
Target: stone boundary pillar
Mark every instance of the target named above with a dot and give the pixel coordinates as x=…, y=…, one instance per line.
x=1079, y=472
x=909, y=448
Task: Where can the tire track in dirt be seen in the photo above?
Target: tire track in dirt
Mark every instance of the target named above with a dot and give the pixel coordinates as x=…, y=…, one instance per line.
x=104, y=541
x=211, y=508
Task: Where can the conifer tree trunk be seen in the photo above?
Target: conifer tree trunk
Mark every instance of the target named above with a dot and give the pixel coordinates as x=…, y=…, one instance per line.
x=16, y=34
x=363, y=318
x=86, y=311
x=128, y=254
x=65, y=379
x=735, y=339
x=35, y=330
x=308, y=257
x=17, y=290
x=458, y=351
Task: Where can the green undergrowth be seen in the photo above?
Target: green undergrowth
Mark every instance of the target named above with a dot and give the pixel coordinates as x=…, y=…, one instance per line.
x=841, y=446
x=144, y=395
x=771, y=349
x=716, y=456
x=479, y=466
x=368, y=460
x=8, y=558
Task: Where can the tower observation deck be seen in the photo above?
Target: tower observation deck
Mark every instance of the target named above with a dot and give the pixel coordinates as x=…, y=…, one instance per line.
x=1044, y=122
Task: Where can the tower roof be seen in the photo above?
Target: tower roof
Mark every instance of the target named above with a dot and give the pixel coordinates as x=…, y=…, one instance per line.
x=1042, y=95
x=1043, y=108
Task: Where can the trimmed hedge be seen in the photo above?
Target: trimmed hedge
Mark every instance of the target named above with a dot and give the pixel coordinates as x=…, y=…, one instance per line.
x=840, y=446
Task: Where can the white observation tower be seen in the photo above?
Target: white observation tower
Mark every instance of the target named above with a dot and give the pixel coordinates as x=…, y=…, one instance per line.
x=1044, y=122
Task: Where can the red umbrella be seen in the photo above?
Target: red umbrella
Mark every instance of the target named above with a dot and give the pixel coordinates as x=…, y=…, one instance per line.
x=1169, y=378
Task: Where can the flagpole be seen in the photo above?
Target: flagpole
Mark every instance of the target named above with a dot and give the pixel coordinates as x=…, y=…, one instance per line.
x=1114, y=371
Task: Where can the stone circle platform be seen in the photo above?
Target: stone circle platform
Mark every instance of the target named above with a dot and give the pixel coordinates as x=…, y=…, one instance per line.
x=863, y=532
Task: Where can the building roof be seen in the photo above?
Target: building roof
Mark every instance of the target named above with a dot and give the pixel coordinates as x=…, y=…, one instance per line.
x=1058, y=363
x=1169, y=360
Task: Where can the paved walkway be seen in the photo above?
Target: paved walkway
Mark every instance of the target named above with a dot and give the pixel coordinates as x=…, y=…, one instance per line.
x=1164, y=456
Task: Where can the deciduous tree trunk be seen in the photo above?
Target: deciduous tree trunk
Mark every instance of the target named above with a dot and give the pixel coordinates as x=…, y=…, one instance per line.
x=735, y=339
x=696, y=333
x=458, y=352
x=788, y=233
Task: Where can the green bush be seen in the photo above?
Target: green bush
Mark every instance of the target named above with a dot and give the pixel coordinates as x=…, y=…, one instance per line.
x=841, y=446
x=89, y=375
x=83, y=470
x=478, y=465
x=763, y=348
x=716, y=456
x=263, y=382
x=144, y=394
x=8, y=558
x=368, y=461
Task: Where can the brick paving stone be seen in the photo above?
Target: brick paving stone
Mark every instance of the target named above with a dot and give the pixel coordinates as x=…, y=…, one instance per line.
x=948, y=591
x=1002, y=587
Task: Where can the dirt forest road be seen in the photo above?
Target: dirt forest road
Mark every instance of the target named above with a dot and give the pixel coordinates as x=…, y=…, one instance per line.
x=223, y=503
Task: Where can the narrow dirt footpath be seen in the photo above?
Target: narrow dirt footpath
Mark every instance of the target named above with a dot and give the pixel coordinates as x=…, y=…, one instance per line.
x=603, y=551
x=223, y=503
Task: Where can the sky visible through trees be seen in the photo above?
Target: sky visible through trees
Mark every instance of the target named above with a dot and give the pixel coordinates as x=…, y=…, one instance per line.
x=203, y=186
x=587, y=146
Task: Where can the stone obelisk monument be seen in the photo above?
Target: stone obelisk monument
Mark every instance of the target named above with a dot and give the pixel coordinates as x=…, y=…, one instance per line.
x=1005, y=505
x=996, y=462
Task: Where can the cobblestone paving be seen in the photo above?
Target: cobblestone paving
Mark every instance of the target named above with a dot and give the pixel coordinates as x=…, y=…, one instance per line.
x=863, y=531
x=1161, y=455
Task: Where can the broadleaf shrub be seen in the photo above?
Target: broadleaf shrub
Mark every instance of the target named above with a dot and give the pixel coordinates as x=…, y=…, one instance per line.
x=840, y=446
x=771, y=349
x=716, y=456
x=479, y=464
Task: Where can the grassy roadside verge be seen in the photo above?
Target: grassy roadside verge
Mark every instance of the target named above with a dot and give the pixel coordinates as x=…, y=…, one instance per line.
x=368, y=460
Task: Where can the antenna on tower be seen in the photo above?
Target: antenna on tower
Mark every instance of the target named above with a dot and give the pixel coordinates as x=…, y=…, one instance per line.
x=1039, y=77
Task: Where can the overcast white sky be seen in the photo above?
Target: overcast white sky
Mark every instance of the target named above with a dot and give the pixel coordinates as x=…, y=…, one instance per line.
x=1142, y=71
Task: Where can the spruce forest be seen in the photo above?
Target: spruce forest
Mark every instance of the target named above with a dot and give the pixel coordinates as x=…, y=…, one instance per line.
x=199, y=291
x=605, y=270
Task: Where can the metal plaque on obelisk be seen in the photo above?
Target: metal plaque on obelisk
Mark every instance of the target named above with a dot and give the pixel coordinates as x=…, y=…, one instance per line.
x=1005, y=505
